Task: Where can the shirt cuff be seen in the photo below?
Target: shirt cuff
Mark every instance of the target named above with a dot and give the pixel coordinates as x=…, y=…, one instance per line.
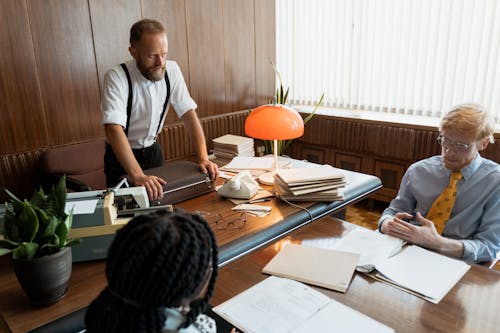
x=469, y=253
x=382, y=220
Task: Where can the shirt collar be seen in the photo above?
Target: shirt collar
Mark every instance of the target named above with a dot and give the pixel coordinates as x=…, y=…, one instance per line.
x=469, y=170
x=140, y=78
x=174, y=319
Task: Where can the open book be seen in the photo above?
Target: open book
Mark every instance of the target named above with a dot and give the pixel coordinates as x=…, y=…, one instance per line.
x=278, y=305
x=421, y=272
x=325, y=268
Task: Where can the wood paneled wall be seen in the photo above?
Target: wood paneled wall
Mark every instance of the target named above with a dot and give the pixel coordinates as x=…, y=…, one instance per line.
x=54, y=54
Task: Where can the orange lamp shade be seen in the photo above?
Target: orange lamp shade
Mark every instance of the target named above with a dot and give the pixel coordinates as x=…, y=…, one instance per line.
x=274, y=122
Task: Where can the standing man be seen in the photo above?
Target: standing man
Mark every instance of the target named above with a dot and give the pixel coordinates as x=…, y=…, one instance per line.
x=451, y=203
x=136, y=98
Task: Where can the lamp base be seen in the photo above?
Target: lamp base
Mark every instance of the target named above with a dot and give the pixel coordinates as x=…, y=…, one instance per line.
x=267, y=178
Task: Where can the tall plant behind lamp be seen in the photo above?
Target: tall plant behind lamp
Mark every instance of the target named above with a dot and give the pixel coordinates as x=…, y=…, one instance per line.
x=273, y=122
x=281, y=97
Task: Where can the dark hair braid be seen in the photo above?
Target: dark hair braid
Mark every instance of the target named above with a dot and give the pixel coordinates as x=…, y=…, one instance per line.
x=155, y=261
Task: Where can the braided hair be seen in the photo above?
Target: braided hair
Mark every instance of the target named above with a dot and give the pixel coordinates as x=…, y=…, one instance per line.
x=155, y=261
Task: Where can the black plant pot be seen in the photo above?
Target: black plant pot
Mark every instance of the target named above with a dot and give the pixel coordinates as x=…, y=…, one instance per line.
x=45, y=279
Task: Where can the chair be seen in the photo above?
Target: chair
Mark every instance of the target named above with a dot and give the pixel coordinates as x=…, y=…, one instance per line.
x=82, y=163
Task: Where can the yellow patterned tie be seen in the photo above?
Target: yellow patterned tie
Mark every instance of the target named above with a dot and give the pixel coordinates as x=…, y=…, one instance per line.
x=443, y=205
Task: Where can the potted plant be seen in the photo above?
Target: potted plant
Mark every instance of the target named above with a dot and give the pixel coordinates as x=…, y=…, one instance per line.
x=281, y=97
x=36, y=232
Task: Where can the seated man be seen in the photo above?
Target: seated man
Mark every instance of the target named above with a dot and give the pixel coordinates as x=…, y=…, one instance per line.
x=452, y=201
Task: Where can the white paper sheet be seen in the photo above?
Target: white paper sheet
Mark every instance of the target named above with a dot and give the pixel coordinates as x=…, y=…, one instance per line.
x=81, y=207
x=371, y=245
x=336, y=317
x=428, y=273
x=278, y=305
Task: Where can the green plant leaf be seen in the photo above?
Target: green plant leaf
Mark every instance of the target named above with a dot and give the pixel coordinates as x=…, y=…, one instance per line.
x=28, y=223
x=8, y=244
x=285, y=98
x=39, y=199
x=43, y=218
x=25, y=250
x=11, y=195
x=50, y=229
x=318, y=104
x=69, y=220
x=73, y=241
x=17, y=206
x=52, y=247
x=275, y=69
x=56, y=199
x=62, y=233
x=4, y=251
x=11, y=226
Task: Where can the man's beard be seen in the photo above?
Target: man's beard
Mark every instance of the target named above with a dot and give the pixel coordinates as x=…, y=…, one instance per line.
x=151, y=73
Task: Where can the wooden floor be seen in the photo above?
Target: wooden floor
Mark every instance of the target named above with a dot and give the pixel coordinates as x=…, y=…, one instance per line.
x=362, y=214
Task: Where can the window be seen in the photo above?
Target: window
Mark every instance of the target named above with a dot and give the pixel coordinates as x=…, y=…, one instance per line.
x=417, y=57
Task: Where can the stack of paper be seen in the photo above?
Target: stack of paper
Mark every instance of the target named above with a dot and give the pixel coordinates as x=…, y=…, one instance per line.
x=228, y=146
x=278, y=305
x=318, y=183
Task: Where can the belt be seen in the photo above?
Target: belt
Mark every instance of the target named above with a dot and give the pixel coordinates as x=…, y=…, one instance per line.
x=144, y=149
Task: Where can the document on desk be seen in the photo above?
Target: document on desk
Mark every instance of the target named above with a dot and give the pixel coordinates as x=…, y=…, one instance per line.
x=250, y=163
x=427, y=273
x=278, y=305
x=325, y=268
x=370, y=245
x=420, y=272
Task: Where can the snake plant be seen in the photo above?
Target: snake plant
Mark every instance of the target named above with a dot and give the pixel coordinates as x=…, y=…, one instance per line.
x=37, y=227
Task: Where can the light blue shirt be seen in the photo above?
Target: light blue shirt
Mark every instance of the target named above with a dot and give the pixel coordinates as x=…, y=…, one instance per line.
x=475, y=219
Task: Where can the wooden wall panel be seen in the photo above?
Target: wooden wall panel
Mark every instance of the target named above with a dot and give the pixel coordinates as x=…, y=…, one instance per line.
x=19, y=174
x=265, y=48
x=22, y=124
x=67, y=69
x=239, y=63
x=111, y=22
x=54, y=54
x=206, y=55
x=172, y=14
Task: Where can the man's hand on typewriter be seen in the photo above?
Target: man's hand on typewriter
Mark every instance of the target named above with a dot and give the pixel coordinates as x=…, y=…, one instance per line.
x=153, y=185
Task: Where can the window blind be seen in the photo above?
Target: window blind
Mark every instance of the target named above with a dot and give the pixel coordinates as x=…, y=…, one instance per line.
x=417, y=57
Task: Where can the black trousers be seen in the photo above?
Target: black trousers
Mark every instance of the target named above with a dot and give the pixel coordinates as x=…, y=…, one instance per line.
x=149, y=157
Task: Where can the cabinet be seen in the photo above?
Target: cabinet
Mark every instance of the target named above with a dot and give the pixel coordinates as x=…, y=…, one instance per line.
x=390, y=174
x=372, y=147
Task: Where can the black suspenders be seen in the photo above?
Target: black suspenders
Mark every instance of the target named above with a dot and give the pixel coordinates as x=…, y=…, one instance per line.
x=129, y=100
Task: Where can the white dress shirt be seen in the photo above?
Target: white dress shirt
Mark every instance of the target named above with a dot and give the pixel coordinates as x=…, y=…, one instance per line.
x=147, y=103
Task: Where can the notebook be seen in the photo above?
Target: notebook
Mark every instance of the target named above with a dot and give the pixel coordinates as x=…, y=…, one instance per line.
x=330, y=269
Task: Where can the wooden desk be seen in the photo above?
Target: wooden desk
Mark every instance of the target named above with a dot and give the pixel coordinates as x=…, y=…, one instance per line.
x=472, y=305
x=88, y=280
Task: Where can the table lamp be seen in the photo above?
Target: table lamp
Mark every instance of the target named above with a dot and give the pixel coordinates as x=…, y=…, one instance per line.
x=273, y=122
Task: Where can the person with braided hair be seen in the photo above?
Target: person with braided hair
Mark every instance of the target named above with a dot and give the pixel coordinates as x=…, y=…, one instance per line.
x=161, y=272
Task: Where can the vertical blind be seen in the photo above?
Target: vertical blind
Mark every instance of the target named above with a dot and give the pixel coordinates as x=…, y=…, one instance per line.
x=417, y=57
